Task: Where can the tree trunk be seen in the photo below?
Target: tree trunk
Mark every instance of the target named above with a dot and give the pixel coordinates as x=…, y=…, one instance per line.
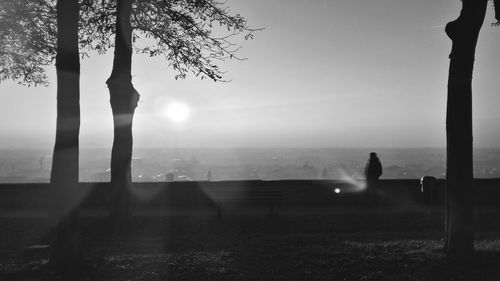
x=464, y=32
x=123, y=99
x=66, y=249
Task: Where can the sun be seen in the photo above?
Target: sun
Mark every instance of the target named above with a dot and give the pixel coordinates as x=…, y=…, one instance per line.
x=177, y=112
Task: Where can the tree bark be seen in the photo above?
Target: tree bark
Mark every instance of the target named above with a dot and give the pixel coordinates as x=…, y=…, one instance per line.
x=66, y=249
x=459, y=223
x=123, y=99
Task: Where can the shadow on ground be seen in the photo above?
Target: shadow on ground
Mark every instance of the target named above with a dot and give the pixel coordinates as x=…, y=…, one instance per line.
x=359, y=245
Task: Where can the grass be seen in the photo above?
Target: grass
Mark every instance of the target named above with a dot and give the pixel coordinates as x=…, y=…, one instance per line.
x=367, y=244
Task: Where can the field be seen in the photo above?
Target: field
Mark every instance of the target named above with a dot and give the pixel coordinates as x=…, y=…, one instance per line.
x=344, y=244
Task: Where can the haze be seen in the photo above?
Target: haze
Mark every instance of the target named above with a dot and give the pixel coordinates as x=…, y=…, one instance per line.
x=323, y=73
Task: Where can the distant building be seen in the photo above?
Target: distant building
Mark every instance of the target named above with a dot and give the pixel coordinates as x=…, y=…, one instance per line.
x=183, y=178
x=137, y=161
x=26, y=175
x=169, y=177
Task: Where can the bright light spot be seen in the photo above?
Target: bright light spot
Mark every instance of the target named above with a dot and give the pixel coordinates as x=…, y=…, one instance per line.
x=337, y=190
x=177, y=112
x=357, y=185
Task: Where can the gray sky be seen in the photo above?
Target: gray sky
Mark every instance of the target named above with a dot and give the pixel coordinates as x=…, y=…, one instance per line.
x=347, y=73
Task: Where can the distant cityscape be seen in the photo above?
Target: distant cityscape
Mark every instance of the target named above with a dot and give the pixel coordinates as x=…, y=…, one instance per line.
x=218, y=164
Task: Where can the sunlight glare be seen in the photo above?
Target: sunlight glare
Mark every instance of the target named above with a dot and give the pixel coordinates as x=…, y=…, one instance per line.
x=177, y=112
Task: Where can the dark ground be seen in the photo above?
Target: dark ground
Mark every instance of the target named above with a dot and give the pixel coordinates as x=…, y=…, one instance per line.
x=347, y=244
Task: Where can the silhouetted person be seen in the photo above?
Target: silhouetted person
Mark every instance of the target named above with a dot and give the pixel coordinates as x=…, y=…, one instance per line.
x=373, y=171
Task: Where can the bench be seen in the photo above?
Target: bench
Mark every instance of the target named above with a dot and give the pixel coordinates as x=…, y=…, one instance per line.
x=270, y=197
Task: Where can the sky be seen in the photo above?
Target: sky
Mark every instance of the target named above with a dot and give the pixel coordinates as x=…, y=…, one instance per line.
x=322, y=73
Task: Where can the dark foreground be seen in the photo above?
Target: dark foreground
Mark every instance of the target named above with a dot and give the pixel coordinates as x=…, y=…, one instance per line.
x=368, y=244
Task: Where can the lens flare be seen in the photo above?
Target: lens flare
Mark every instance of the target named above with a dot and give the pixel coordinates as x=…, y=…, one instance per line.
x=355, y=185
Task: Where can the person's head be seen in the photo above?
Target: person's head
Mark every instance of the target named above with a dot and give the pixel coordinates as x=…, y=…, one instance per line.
x=373, y=155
